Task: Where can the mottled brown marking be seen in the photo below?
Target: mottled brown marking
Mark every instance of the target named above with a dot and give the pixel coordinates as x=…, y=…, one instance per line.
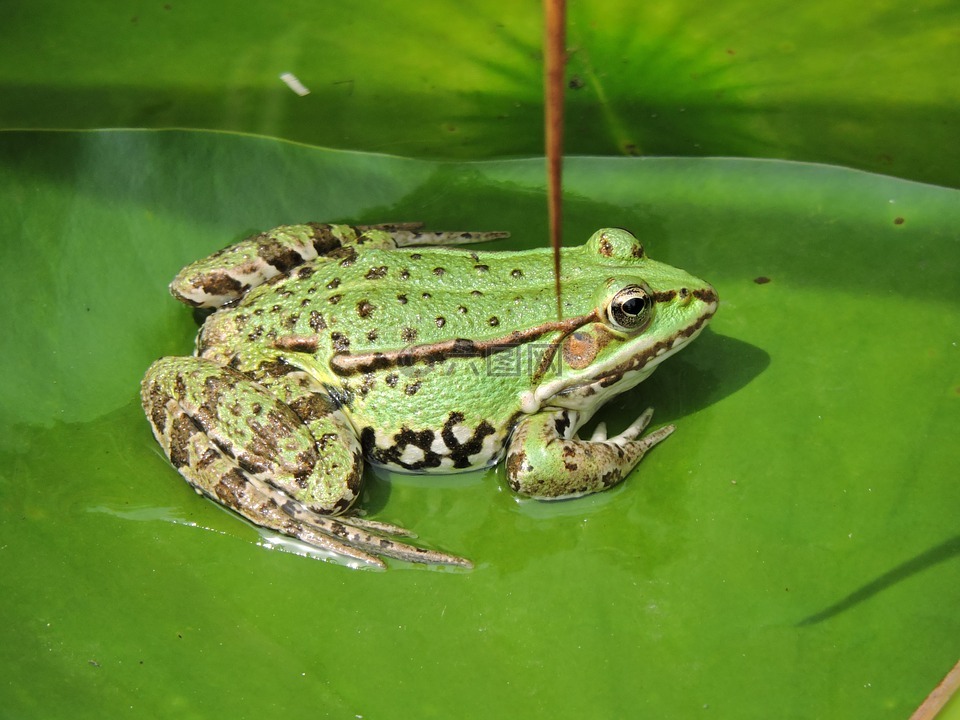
x=402, y=299
x=281, y=257
x=441, y=321
x=334, y=299
x=297, y=343
x=340, y=342
x=516, y=273
x=707, y=295
x=439, y=271
x=180, y=433
x=408, y=334
x=323, y=238
x=376, y=273
x=317, y=323
x=158, y=399
x=516, y=464
x=312, y=406
x=219, y=282
x=605, y=248
x=611, y=478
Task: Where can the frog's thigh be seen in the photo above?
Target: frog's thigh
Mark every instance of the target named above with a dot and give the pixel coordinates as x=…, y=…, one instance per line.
x=216, y=426
x=545, y=460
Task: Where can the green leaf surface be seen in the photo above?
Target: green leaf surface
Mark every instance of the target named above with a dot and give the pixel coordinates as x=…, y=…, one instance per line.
x=791, y=552
x=868, y=85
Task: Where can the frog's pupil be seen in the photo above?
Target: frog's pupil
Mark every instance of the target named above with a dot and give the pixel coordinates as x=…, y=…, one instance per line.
x=633, y=306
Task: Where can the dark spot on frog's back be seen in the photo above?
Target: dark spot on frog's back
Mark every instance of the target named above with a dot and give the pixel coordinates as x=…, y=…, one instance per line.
x=408, y=334
x=376, y=273
x=365, y=308
x=516, y=273
x=317, y=323
x=305, y=272
x=340, y=342
x=605, y=248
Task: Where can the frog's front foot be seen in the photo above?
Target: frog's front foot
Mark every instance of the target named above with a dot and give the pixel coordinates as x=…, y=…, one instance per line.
x=236, y=442
x=545, y=460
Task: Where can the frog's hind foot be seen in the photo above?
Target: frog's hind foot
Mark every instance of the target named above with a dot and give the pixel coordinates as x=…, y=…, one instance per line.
x=368, y=539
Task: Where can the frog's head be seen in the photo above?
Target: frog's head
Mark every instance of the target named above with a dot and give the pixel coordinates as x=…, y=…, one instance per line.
x=641, y=313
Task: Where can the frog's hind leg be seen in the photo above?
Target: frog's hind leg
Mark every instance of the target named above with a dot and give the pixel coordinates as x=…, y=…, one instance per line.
x=546, y=460
x=227, y=275
x=236, y=443
x=412, y=234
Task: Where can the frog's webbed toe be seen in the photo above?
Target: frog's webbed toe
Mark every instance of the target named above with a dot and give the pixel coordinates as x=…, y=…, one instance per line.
x=546, y=460
x=367, y=540
x=238, y=444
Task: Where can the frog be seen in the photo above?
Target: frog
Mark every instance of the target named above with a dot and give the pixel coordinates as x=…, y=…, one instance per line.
x=327, y=347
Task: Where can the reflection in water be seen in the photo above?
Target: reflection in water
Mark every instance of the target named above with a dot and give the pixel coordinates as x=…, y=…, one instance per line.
x=935, y=555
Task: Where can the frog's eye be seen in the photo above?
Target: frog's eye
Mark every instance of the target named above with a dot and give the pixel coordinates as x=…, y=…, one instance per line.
x=630, y=308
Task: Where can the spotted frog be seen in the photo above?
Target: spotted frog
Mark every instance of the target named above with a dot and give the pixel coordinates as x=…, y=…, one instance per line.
x=335, y=345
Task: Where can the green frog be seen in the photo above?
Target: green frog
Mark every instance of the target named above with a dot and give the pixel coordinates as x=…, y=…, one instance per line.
x=332, y=345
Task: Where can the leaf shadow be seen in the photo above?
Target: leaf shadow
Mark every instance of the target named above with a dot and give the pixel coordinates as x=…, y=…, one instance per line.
x=929, y=558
